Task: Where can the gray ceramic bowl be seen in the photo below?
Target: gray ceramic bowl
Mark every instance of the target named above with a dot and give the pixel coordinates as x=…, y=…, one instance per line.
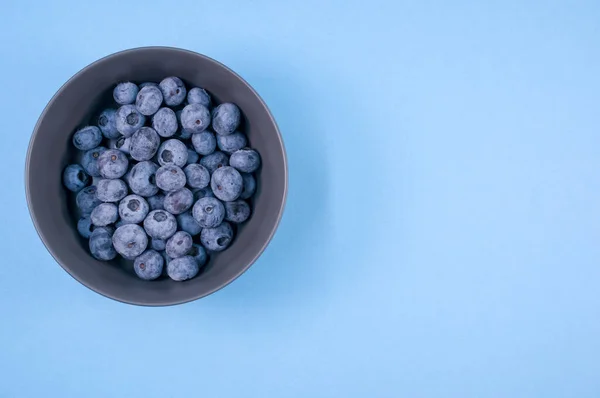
x=77, y=103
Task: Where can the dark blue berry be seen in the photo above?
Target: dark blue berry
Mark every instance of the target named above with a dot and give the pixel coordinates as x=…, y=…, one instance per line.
x=204, y=143
x=200, y=96
x=208, y=212
x=173, y=90
x=156, y=202
x=218, y=238
x=158, y=244
x=144, y=144
x=112, y=163
x=249, y=186
x=148, y=265
x=125, y=93
x=148, y=100
x=111, y=190
x=107, y=121
x=75, y=178
x=85, y=227
x=176, y=202
x=226, y=183
x=87, y=200
x=197, y=175
x=246, y=160
x=130, y=241
x=87, y=138
x=129, y=120
x=193, y=157
x=160, y=224
x=165, y=122
x=170, y=178
x=101, y=245
x=199, y=254
x=172, y=152
x=232, y=142
x=123, y=144
x=226, y=118
x=89, y=161
x=179, y=244
x=142, y=179
x=133, y=209
x=195, y=118
x=104, y=214
x=237, y=211
x=203, y=193
x=182, y=268
x=214, y=161
x=188, y=224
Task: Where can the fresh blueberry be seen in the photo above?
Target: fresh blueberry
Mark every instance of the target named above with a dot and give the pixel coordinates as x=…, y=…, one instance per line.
x=179, y=244
x=107, y=121
x=203, y=193
x=148, y=100
x=170, y=178
x=197, y=175
x=129, y=120
x=183, y=135
x=176, y=202
x=160, y=224
x=167, y=260
x=75, y=178
x=182, y=268
x=193, y=157
x=89, y=161
x=172, y=152
x=232, y=142
x=188, y=224
x=226, y=183
x=123, y=144
x=226, y=118
x=237, y=211
x=112, y=163
x=218, y=238
x=101, y=245
x=133, y=209
x=104, y=214
x=204, y=143
x=85, y=227
x=246, y=160
x=130, y=241
x=156, y=202
x=199, y=254
x=152, y=84
x=158, y=244
x=148, y=265
x=144, y=144
x=195, y=118
x=87, y=138
x=173, y=90
x=121, y=222
x=125, y=93
x=111, y=190
x=142, y=179
x=249, y=186
x=214, y=161
x=208, y=212
x=87, y=200
x=200, y=96
x=165, y=122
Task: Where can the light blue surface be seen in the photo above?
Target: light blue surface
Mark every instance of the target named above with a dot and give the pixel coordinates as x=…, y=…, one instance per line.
x=442, y=234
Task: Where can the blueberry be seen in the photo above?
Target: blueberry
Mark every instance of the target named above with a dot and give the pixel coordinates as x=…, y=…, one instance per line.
x=182, y=268
x=104, y=214
x=165, y=122
x=197, y=175
x=204, y=143
x=107, y=121
x=179, y=244
x=133, y=209
x=183, y=134
x=218, y=238
x=157, y=244
x=148, y=100
x=173, y=90
x=172, y=152
x=160, y=224
x=125, y=93
x=200, y=96
x=87, y=200
x=193, y=157
x=170, y=178
x=89, y=161
x=101, y=245
x=87, y=138
x=129, y=120
x=208, y=212
x=121, y=222
x=146, y=84
x=232, y=142
x=112, y=163
x=144, y=144
x=142, y=179
x=111, y=190
x=130, y=241
x=148, y=265
x=226, y=183
x=123, y=144
x=226, y=118
x=203, y=193
x=249, y=186
x=246, y=160
x=156, y=202
x=195, y=118
x=199, y=254
x=214, y=161
x=75, y=178
x=188, y=224
x=85, y=227
x=176, y=202
x=237, y=211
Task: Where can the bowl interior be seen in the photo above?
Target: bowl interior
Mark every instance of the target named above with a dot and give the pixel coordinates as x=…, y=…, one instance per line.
x=77, y=104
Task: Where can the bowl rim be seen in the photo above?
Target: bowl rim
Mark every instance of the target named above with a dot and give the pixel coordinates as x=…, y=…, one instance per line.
x=98, y=289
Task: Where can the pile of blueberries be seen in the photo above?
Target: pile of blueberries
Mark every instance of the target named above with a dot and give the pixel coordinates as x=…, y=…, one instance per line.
x=162, y=178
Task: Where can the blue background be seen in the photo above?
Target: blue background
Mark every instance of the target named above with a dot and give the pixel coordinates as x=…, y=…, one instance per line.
x=442, y=232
